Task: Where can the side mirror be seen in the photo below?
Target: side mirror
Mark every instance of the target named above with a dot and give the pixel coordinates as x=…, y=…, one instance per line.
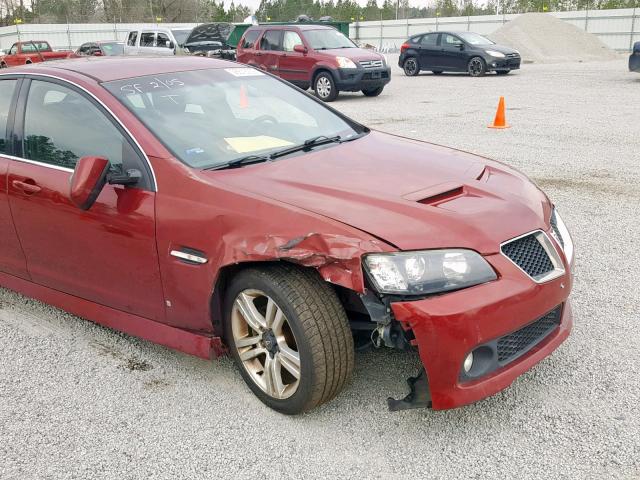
x=300, y=48
x=88, y=179
x=461, y=46
x=169, y=44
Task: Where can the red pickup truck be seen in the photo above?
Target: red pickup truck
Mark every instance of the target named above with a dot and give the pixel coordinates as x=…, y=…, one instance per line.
x=33, y=51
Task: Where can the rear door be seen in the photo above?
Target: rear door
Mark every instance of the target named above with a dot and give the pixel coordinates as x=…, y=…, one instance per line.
x=293, y=66
x=131, y=47
x=12, y=259
x=270, y=51
x=453, y=55
x=108, y=253
x=429, y=51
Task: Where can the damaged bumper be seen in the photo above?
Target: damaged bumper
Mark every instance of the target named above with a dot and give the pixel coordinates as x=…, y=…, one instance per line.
x=509, y=324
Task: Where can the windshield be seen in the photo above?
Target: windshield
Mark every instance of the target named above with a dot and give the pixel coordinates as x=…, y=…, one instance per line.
x=181, y=36
x=210, y=117
x=327, y=38
x=112, y=48
x=474, y=38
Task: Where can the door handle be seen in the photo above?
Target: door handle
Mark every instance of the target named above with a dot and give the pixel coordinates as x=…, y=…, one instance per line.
x=258, y=54
x=28, y=188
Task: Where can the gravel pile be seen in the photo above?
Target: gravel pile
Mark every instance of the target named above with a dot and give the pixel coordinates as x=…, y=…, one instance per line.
x=78, y=401
x=543, y=38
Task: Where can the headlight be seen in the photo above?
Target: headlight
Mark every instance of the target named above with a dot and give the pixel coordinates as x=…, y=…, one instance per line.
x=428, y=271
x=384, y=60
x=344, y=62
x=561, y=234
x=493, y=53
x=186, y=50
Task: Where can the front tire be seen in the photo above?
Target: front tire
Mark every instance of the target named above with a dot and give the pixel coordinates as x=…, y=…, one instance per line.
x=374, y=92
x=289, y=336
x=411, y=67
x=325, y=87
x=476, y=67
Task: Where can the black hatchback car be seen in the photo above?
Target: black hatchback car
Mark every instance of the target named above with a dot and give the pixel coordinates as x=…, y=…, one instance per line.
x=456, y=52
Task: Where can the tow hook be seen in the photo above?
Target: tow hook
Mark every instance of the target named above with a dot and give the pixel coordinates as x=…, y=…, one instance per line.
x=419, y=395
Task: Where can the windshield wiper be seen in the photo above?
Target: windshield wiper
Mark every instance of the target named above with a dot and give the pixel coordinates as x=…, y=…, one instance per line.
x=307, y=145
x=240, y=162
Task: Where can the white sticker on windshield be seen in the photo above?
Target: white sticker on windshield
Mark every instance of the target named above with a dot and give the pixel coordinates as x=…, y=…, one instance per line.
x=243, y=72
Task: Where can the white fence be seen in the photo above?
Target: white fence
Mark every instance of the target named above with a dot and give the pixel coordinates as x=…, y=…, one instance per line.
x=71, y=36
x=618, y=29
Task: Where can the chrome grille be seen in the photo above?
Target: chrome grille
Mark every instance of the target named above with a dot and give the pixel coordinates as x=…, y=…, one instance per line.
x=371, y=63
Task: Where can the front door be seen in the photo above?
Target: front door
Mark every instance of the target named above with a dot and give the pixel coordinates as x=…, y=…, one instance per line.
x=294, y=66
x=453, y=55
x=12, y=260
x=108, y=253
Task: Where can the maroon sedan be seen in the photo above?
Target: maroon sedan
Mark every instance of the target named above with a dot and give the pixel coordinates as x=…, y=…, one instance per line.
x=210, y=207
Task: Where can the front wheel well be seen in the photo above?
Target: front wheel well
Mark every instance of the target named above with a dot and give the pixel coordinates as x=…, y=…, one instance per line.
x=318, y=72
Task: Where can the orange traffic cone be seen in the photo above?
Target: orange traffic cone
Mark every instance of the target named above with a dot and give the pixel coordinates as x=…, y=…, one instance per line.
x=244, y=99
x=500, y=121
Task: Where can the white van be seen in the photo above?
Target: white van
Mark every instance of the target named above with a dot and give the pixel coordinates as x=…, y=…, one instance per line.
x=156, y=41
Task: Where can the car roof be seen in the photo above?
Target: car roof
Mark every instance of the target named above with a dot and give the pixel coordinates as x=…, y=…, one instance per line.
x=301, y=26
x=106, y=69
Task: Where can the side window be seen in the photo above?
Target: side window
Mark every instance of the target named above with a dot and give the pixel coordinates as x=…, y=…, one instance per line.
x=289, y=40
x=147, y=39
x=7, y=87
x=450, y=41
x=14, y=49
x=131, y=41
x=429, y=40
x=61, y=126
x=28, y=48
x=415, y=40
x=250, y=38
x=84, y=49
x=270, y=40
x=163, y=40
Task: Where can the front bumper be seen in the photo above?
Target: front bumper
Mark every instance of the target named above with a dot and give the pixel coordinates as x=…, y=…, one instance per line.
x=356, y=79
x=449, y=326
x=634, y=62
x=503, y=64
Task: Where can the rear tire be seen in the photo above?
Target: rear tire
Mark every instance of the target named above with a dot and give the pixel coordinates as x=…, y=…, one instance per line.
x=3, y=65
x=411, y=66
x=476, y=67
x=325, y=87
x=304, y=318
x=374, y=92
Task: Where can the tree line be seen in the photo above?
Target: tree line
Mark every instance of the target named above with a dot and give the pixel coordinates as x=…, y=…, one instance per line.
x=118, y=11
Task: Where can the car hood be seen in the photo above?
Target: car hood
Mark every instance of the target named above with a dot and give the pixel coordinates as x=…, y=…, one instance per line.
x=355, y=54
x=410, y=194
x=498, y=48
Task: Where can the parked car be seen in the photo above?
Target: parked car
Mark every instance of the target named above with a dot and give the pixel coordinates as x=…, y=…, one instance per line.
x=32, y=51
x=634, y=58
x=315, y=56
x=210, y=40
x=103, y=48
x=156, y=41
x=456, y=52
x=200, y=203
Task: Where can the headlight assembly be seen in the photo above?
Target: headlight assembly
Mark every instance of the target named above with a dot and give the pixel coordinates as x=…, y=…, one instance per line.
x=428, y=271
x=561, y=234
x=344, y=62
x=493, y=53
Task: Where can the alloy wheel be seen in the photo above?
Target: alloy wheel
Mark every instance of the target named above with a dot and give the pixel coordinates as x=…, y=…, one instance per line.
x=323, y=87
x=410, y=66
x=265, y=343
x=476, y=67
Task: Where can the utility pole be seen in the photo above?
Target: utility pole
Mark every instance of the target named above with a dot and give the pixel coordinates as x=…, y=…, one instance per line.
x=397, y=7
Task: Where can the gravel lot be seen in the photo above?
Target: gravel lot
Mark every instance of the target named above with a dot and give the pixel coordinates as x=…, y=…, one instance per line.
x=81, y=401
